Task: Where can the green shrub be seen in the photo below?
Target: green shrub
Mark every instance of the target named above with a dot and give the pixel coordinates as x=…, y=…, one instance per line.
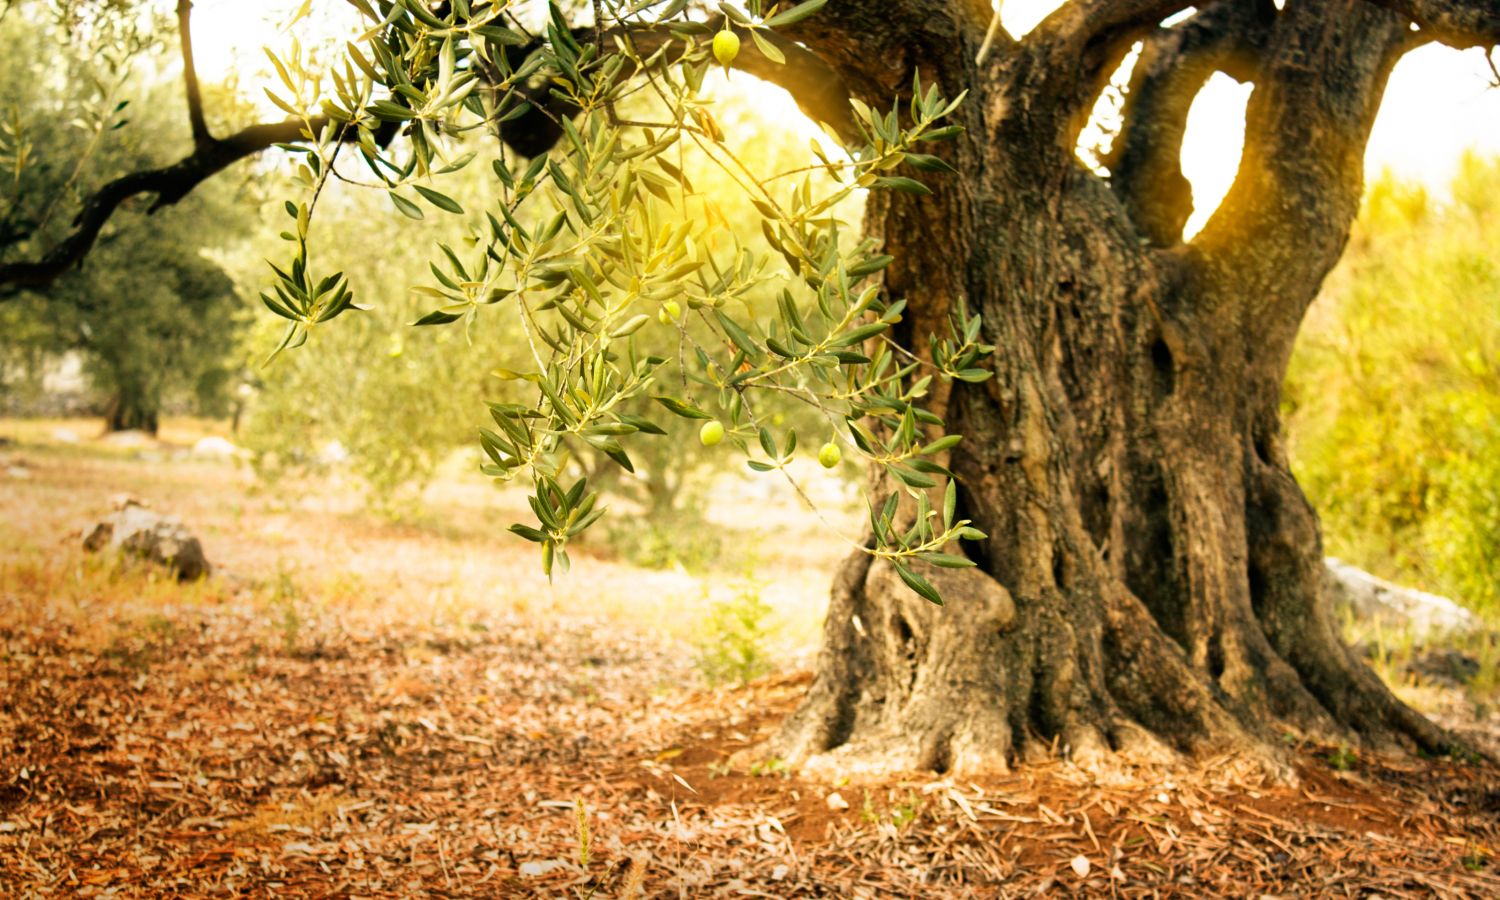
x=682, y=540
x=733, y=646
x=1393, y=394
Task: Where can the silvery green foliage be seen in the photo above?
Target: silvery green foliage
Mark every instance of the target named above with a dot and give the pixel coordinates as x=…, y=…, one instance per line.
x=587, y=249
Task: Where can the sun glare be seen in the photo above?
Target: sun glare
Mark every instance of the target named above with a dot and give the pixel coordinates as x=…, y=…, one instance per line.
x=230, y=38
x=1212, y=144
x=771, y=110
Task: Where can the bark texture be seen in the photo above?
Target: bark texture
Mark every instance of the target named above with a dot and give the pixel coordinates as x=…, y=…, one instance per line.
x=1152, y=584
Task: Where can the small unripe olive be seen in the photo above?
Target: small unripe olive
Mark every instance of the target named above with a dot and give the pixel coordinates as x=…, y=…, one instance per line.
x=669, y=312
x=711, y=433
x=726, y=47
x=829, y=455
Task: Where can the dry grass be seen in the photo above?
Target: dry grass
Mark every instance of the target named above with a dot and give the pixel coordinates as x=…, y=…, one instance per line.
x=450, y=561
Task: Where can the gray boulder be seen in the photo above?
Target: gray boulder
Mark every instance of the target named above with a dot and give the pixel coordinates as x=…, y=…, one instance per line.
x=1394, y=606
x=134, y=530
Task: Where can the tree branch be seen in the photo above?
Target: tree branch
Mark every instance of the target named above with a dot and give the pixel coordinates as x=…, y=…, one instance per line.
x=201, y=137
x=817, y=87
x=1145, y=161
x=169, y=183
x=1075, y=49
x=1457, y=23
x=1286, y=218
x=875, y=45
x=1080, y=31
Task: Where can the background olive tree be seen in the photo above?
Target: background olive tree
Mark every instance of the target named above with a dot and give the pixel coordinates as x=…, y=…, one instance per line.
x=151, y=313
x=376, y=369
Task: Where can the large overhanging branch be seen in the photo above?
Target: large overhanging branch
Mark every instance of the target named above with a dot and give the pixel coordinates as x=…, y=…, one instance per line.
x=1456, y=23
x=169, y=183
x=816, y=87
x=876, y=44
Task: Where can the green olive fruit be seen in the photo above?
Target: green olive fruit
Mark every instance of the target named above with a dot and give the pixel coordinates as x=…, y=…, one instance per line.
x=711, y=433
x=829, y=455
x=726, y=47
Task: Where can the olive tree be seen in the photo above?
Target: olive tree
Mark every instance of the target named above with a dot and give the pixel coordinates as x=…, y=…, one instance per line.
x=150, y=315
x=1083, y=530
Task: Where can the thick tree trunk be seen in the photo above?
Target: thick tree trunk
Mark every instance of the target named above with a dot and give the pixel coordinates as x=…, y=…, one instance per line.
x=1152, y=580
x=131, y=409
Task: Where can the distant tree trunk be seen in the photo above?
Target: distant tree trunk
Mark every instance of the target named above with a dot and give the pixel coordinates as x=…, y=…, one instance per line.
x=132, y=409
x=1152, y=580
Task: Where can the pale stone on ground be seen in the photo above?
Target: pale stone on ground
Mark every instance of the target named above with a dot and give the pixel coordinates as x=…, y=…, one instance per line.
x=136, y=531
x=1392, y=605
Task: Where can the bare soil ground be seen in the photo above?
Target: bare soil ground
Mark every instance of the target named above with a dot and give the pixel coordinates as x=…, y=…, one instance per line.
x=360, y=708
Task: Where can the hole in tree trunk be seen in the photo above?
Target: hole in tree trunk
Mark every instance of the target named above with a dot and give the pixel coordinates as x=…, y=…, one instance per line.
x=1098, y=136
x=1149, y=564
x=903, y=632
x=1041, y=724
x=1219, y=110
x=1096, y=500
x=1165, y=366
x=940, y=753
x=1257, y=591
x=842, y=725
x=1263, y=446
x=978, y=551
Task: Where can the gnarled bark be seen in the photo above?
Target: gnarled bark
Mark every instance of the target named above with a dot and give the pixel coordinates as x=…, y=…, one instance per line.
x=1152, y=581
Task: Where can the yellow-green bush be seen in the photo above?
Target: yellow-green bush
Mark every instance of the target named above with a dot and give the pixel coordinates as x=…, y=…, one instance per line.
x=1393, y=396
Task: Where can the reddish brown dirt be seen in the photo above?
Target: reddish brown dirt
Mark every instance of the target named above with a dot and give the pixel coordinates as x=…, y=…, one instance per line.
x=243, y=737
x=445, y=762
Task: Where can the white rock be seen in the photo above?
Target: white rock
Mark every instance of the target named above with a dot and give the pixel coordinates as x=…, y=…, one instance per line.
x=1080, y=866
x=215, y=447
x=836, y=801
x=128, y=439
x=134, y=530
x=1393, y=605
x=64, y=435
